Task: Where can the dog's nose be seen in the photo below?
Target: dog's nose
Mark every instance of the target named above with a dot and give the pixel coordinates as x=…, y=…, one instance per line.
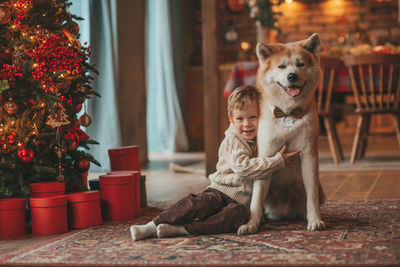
x=292, y=77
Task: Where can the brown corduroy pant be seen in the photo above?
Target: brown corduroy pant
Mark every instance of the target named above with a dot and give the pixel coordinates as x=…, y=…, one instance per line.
x=210, y=212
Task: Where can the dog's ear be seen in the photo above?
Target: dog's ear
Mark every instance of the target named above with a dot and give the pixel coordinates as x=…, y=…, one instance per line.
x=313, y=44
x=264, y=51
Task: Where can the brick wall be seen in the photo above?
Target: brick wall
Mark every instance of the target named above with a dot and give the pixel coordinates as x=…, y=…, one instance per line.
x=332, y=19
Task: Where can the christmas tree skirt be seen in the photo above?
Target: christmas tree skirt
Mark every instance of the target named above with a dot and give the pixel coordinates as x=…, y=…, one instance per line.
x=358, y=233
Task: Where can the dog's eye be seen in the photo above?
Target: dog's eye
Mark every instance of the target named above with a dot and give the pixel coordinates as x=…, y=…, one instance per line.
x=282, y=66
x=300, y=64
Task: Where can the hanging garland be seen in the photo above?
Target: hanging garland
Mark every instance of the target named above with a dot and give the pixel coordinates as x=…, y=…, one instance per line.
x=262, y=12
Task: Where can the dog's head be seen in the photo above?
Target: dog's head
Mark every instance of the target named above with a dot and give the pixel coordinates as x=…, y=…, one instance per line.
x=289, y=73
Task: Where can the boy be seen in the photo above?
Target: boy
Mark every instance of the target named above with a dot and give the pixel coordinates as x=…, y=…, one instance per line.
x=224, y=205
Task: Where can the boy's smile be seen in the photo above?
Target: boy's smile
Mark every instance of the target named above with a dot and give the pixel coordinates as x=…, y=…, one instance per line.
x=245, y=121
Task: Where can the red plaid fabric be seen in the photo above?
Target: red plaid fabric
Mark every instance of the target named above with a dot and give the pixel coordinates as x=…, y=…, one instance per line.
x=242, y=73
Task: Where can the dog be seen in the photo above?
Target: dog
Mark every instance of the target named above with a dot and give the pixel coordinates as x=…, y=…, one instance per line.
x=287, y=79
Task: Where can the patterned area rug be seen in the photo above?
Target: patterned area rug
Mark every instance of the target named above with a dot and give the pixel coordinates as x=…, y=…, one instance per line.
x=358, y=233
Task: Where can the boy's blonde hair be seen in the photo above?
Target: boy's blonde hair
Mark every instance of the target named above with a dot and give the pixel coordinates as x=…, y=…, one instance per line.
x=242, y=96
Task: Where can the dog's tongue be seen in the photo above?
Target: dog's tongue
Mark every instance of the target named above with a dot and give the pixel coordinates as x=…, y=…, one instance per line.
x=293, y=91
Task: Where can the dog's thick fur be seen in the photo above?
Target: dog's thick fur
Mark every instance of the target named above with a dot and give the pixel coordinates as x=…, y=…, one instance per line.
x=287, y=78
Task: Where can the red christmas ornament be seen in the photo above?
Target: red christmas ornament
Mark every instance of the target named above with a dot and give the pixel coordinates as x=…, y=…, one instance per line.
x=11, y=139
x=235, y=5
x=10, y=106
x=5, y=15
x=75, y=133
x=84, y=164
x=25, y=155
x=78, y=108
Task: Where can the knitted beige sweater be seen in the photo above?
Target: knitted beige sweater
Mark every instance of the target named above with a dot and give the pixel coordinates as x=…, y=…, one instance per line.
x=238, y=166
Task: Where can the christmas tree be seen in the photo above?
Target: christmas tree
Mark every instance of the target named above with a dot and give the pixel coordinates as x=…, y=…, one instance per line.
x=44, y=82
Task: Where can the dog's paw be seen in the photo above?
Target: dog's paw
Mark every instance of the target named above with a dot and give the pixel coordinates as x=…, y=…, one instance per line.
x=247, y=229
x=316, y=225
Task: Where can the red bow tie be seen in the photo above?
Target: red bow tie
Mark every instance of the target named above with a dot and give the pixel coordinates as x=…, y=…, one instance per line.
x=296, y=113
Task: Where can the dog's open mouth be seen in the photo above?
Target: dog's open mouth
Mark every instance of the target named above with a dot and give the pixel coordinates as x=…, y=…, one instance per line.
x=293, y=90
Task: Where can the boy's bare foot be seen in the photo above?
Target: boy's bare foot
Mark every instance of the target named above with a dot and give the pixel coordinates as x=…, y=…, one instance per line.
x=140, y=232
x=166, y=230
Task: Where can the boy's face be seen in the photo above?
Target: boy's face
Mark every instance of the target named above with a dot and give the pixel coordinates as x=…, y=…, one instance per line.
x=245, y=121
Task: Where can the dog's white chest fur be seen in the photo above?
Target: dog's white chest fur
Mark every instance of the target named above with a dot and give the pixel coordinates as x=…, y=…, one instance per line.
x=293, y=132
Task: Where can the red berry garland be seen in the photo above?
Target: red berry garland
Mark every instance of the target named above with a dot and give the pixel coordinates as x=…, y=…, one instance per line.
x=25, y=155
x=55, y=54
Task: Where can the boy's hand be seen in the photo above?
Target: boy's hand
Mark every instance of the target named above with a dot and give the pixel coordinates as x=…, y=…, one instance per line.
x=288, y=157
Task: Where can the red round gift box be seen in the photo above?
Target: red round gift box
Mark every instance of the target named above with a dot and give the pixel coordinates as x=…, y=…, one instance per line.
x=117, y=203
x=84, y=209
x=124, y=158
x=135, y=188
x=49, y=215
x=12, y=217
x=46, y=189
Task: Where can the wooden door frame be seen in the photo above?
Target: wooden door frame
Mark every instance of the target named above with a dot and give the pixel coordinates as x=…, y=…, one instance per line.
x=210, y=83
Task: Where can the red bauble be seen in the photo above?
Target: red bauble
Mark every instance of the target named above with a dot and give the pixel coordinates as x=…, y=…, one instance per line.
x=78, y=108
x=5, y=15
x=83, y=164
x=25, y=155
x=235, y=5
x=10, y=106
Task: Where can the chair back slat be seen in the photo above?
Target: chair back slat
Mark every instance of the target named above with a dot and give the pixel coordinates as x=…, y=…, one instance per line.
x=364, y=90
x=354, y=86
x=389, y=88
x=375, y=81
x=326, y=84
x=330, y=88
x=380, y=86
x=371, y=86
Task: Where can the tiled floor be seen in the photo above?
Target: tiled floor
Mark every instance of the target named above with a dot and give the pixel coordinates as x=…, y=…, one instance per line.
x=364, y=180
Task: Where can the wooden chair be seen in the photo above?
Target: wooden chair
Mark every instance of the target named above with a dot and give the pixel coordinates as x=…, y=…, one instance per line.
x=325, y=106
x=375, y=81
